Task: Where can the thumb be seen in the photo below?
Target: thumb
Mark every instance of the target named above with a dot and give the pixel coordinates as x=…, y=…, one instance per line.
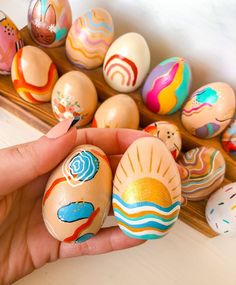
x=22, y=163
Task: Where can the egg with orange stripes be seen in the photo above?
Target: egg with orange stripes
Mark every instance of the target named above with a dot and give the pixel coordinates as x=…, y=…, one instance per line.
x=33, y=74
x=77, y=197
x=89, y=38
x=146, y=190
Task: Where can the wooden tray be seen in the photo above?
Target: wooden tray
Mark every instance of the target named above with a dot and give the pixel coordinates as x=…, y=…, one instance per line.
x=194, y=213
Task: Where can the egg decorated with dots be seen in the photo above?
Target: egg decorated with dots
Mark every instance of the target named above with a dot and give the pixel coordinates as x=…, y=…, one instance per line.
x=228, y=140
x=221, y=210
x=77, y=197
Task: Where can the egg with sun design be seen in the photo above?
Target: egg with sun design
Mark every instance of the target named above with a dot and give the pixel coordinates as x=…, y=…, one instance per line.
x=146, y=190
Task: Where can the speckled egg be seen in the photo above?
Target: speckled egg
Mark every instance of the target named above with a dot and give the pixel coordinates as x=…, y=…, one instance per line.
x=221, y=210
x=205, y=171
x=116, y=112
x=74, y=96
x=33, y=74
x=78, y=195
x=209, y=110
x=168, y=133
x=89, y=38
x=167, y=86
x=127, y=62
x=146, y=190
x=49, y=21
x=229, y=140
x=10, y=43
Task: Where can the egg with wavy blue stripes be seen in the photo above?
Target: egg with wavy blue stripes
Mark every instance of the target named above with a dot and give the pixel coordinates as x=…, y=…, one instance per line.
x=146, y=190
x=77, y=197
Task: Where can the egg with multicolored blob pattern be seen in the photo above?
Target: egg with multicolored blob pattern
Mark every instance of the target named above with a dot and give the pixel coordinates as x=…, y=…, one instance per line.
x=49, y=21
x=127, y=62
x=209, y=110
x=228, y=140
x=89, y=38
x=221, y=210
x=167, y=86
x=10, y=43
x=77, y=197
x=146, y=190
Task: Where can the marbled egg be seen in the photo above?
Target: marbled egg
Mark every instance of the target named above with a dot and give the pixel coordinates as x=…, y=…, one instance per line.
x=221, y=210
x=10, y=43
x=229, y=140
x=78, y=195
x=119, y=111
x=146, y=190
x=33, y=74
x=49, y=21
x=74, y=95
x=205, y=171
x=167, y=86
x=168, y=133
x=127, y=62
x=209, y=110
x=89, y=38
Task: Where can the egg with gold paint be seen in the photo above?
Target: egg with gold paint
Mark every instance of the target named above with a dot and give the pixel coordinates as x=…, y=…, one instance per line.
x=77, y=197
x=228, y=140
x=146, y=190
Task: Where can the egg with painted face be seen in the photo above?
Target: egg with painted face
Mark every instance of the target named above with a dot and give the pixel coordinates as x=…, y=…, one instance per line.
x=205, y=171
x=49, y=21
x=146, y=190
x=168, y=133
x=77, y=197
x=127, y=62
x=209, y=110
x=10, y=43
x=167, y=86
x=221, y=210
x=116, y=112
x=228, y=140
x=89, y=38
x=33, y=74
x=74, y=96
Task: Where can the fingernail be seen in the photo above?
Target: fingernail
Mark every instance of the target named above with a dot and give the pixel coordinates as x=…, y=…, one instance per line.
x=75, y=120
x=60, y=129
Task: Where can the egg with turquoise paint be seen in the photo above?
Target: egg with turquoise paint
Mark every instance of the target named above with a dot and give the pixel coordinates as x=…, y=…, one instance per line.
x=146, y=190
x=209, y=110
x=77, y=197
x=228, y=140
x=167, y=86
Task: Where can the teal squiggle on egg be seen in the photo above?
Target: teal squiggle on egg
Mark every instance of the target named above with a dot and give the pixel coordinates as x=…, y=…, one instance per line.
x=60, y=34
x=207, y=95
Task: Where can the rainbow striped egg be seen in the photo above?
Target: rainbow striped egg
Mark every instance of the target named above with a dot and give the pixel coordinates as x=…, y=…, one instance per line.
x=167, y=86
x=228, y=140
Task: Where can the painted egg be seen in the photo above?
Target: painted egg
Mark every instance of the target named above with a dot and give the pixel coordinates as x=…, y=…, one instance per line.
x=116, y=112
x=209, y=110
x=168, y=133
x=167, y=86
x=221, y=210
x=89, y=38
x=49, y=21
x=229, y=140
x=127, y=62
x=205, y=171
x=33, y=74
x=74, y=95
x=146, y=190
x=78, y=195
x=10, y=43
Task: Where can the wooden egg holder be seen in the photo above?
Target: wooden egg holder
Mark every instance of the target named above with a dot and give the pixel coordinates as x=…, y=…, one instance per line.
x=193, y=213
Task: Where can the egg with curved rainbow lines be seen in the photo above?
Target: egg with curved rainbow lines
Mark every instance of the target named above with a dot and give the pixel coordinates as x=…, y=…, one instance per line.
x=168, y=133
x=146, y=190
x=209, y=110
x=77, y=197
x=228, y=140
x=167, y=86
x=221, y=210
x=205, y=171
x=127, y=62
x=89, y=38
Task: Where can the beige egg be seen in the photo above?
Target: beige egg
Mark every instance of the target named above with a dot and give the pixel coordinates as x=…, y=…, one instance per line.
x=78, y=194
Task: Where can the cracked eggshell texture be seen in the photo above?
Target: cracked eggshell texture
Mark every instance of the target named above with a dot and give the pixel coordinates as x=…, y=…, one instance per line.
x=146, y=190
x=228, y=140
x=209, y=110
x=127, y=62
x=78, y=195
